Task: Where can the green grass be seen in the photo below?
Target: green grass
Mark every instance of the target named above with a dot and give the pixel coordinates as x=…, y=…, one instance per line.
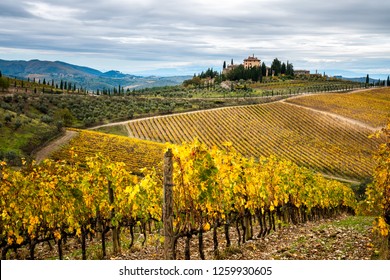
x=357, y=223
x=20, y=135
x=116, y=130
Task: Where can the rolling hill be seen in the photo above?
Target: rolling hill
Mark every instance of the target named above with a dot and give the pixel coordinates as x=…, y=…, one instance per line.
x=335, y=144
x=86, y=77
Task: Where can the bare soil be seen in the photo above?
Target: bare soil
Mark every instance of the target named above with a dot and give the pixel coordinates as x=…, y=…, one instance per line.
x=54, y=145
x=342, y=238
x=320, y=240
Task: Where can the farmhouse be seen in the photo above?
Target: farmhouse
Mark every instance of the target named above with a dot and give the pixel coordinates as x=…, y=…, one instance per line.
x=251, y=61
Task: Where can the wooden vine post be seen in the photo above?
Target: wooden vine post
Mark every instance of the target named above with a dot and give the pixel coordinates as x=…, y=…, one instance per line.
x=168, y=206
x=115, y=230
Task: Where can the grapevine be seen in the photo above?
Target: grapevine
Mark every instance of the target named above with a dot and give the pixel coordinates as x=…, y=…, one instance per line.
x=378, y=193
x=57, y=200
x=371, y=106
x=307, y=138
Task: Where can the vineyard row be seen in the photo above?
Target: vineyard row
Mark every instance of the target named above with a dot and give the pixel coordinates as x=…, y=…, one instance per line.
x=212, y=188
x=307, y=138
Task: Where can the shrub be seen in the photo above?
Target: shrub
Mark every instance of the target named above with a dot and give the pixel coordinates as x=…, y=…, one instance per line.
x=46, y=119
x=8, y=118
x=18, y=124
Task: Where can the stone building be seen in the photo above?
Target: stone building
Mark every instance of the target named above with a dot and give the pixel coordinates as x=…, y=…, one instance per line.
x=251, y=61
x=301, y=72
x=229, y=68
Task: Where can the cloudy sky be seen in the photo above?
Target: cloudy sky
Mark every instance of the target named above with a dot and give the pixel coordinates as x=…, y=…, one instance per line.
x=186, y=36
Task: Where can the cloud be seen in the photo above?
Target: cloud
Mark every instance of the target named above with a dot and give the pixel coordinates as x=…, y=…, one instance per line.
x=51, y=12
x=9, y=8
x=132, y=34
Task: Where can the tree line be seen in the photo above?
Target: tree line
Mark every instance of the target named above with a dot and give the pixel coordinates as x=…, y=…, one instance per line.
x=378, y=82
x=257, y=73
x=239, y=72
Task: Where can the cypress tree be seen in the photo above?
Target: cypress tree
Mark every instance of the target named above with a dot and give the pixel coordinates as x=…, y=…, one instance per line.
x=290, y=69
x=263, y=69
x=367, y=79
x=283, y=69
x=276, y=66
x=388, y=81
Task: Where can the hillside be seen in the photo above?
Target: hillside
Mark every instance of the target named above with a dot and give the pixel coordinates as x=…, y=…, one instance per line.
x=328, y=143
x=371, y=106
x=86, y=77
x=136, y=154
x=275, y=129
x=47, y=105
x=310, y=139
x=20, y=135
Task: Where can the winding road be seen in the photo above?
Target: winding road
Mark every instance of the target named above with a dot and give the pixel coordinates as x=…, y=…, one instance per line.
x=54, y=145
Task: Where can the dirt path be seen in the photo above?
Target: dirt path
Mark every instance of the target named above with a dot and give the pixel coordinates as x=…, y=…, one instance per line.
x=339, y=117
x=345, y=180
x=54, y=145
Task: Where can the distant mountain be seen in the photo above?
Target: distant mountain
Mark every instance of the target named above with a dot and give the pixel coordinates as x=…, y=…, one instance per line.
x=359, y=80
x=115, y=74
x=85, y=77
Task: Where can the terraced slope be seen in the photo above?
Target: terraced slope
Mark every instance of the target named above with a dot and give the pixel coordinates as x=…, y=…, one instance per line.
x=308, y=138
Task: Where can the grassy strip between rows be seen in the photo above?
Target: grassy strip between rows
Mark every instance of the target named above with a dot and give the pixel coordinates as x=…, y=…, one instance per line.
x=371, y=106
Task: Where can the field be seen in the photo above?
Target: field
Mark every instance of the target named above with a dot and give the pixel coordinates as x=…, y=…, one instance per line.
x=305, y=137
x=312, y=139
x=44, y=106
x=371, y=106
x=136, y=154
